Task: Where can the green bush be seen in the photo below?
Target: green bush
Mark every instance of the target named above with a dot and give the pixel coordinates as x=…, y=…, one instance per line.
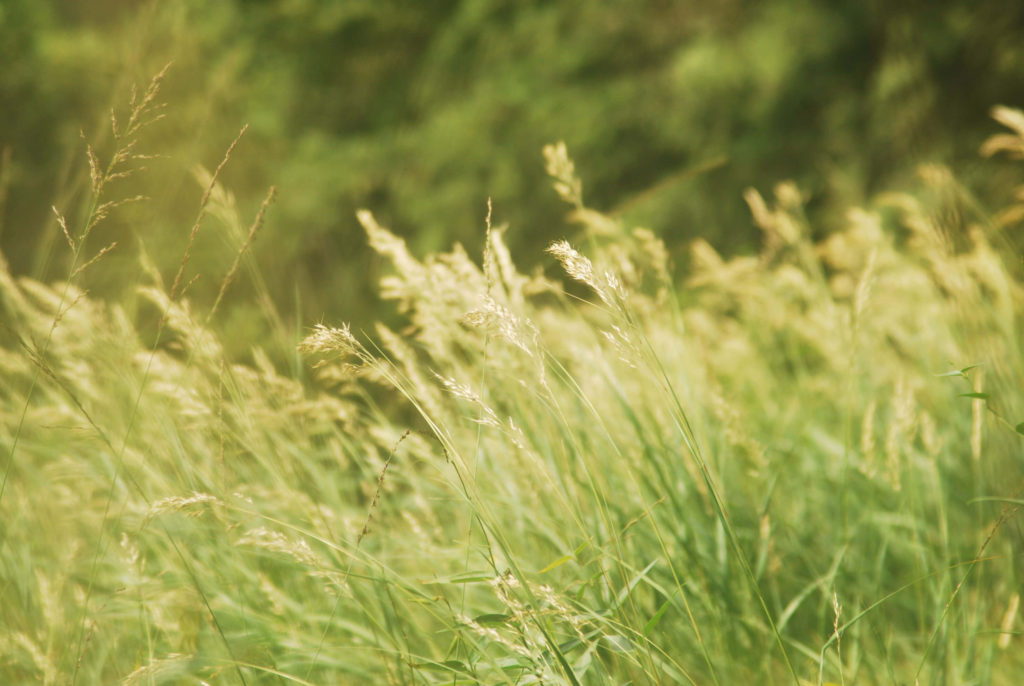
x=421, y=112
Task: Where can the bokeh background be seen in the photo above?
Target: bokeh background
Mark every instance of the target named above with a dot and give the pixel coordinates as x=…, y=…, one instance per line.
x=420, y=111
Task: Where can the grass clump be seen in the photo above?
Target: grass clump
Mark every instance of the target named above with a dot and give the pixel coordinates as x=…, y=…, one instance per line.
x=764, y=471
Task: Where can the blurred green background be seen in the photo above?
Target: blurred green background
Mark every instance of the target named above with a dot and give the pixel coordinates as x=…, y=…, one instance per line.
x=420, y=111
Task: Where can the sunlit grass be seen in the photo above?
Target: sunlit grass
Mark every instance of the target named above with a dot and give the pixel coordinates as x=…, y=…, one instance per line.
x=801, y=466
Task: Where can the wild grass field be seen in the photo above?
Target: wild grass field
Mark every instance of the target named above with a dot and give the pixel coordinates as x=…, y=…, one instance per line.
x=801, y=466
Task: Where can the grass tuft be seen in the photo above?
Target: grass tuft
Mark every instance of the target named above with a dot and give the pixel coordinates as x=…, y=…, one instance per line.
x=755, y=469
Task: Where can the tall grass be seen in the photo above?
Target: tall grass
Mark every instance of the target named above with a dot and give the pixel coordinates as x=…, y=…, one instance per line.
x=795, y=467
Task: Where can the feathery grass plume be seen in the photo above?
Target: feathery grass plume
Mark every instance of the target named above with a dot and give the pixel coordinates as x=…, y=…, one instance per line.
x=837, y=613
x=502, y=322
x=1009, y=617
x=328, y=340
x=652, y=256
x=341, y=356
x=411, y=274
x=862, y=293
x=516, y=286
x=375, y=501
x=143, y=112
x=179, y=287
x=561, y=168
x=778, y=225
x=434, y=293
x=181, y=503
x=119, y=166
x=624, y=345
x=733, y=427
x=867, y=441
x=1010, y=143
x=606, y=285
x=178, y=320
x=487, y=415
x=171, y=666
x=230, y=275
x=277, y=542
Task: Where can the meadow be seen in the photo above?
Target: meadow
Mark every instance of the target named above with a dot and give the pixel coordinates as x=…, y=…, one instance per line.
x=798, y=466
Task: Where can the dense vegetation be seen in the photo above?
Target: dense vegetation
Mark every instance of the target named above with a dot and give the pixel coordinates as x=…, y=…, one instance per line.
x=794, y=458
x=421, y=112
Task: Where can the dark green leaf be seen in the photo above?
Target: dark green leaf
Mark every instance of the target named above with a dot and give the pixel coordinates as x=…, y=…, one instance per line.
x=653, y=621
